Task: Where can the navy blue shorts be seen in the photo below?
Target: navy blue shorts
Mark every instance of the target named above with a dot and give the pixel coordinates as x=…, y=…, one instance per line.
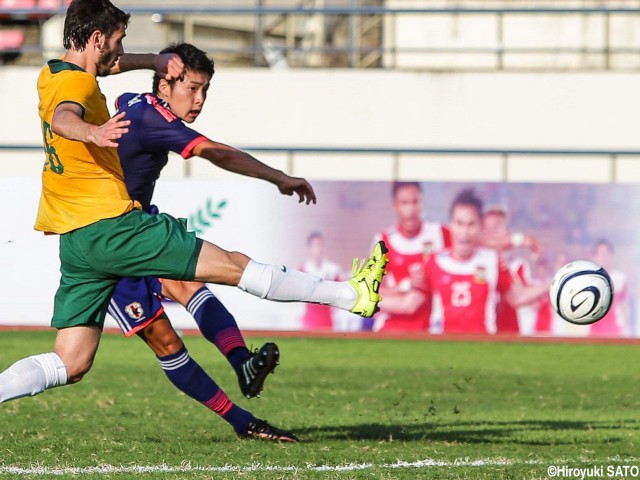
x=136, y=303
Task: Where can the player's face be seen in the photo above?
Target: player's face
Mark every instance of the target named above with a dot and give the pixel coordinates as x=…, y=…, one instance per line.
x=187, y=96
x=494, y=224
x=111, y=50
x=465, y=230
x=316, y=249
x=408, y=207
x=603, y=256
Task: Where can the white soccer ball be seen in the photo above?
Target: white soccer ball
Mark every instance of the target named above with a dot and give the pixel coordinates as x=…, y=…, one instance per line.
x=581, y=292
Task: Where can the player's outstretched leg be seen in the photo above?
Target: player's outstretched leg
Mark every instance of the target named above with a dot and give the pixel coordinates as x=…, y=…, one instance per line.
x=359, y=295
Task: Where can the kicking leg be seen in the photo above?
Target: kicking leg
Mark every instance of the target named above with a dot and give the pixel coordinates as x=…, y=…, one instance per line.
x=276, y=282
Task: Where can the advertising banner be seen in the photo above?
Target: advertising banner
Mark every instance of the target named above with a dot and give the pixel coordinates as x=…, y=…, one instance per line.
x=532, y=230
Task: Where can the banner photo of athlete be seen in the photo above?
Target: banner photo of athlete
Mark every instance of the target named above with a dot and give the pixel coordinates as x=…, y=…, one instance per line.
x=514, y=237
x=526, y=232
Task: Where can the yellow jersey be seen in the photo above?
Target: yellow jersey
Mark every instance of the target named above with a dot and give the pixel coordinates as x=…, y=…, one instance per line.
x=81, y=182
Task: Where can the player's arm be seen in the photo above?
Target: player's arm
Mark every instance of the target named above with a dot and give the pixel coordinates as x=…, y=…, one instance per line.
x=237, y=161
x=398, y=301
x=516, y=293
x=67, y=122
x=510, y=240
x=406, y=303
x=520, y=294
x=168, y=65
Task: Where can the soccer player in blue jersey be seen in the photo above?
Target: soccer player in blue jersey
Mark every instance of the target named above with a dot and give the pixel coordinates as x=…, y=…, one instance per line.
x=158, y=127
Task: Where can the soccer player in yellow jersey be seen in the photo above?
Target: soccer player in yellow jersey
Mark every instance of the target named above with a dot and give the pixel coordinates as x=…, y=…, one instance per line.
x=103, y=234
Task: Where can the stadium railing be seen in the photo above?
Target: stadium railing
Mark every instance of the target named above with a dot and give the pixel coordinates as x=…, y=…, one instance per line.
x=274, y=33
x=539, y=165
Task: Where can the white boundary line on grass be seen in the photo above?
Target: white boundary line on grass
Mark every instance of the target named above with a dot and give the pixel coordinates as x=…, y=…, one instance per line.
x=256, y=467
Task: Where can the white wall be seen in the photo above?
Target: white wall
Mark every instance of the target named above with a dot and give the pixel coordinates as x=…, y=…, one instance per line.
x=511, y=40
x=347, y=108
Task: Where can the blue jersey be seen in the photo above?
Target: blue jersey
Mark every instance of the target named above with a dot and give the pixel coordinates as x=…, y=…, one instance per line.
x=154, y=132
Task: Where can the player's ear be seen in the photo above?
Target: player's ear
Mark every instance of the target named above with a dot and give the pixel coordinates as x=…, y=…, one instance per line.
x=164, y=87
x=98, y=39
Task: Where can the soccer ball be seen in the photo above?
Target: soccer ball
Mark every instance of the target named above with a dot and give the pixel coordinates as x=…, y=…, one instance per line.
x=581, y=292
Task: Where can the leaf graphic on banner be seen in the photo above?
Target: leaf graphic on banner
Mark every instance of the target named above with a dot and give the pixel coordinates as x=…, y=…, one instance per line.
x=203, y=218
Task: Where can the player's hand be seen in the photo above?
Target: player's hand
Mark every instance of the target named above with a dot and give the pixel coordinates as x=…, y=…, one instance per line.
x=107, y=135
x=533, y=245
x=169, y=66
x=299, y=186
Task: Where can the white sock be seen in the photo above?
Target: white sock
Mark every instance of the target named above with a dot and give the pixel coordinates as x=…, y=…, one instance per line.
x=31, y=376
x=276, y=282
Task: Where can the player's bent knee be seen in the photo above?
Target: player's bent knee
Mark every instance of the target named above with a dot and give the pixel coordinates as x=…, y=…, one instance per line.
x=168, y=345
x=162, y=338
x=180, y=291
x=77, y=370
x=76, y=347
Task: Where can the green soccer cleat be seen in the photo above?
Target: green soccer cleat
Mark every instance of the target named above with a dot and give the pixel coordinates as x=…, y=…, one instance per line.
x=366, y=280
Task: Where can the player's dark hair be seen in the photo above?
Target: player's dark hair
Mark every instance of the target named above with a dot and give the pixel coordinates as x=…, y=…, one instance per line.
x=313, y=235
x=194, y=59
x=604, y=243
x=496, y=210
x=399, y=185
x=86, y=16
x=469, y=198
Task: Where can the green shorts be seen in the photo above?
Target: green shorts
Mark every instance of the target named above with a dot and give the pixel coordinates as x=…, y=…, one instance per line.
x=95, y=257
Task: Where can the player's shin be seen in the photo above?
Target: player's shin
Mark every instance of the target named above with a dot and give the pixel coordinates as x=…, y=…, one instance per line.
x=276, y=282
x=218, y=326
x=31, y=376
x=189, y=377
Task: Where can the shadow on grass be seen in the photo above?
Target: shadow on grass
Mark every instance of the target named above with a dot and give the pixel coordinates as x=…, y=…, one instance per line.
x=523, y=432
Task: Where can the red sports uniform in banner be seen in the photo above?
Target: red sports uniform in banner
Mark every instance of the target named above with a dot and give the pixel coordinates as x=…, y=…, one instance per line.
x=407, y=255
x=468, y=289
x=614, y=322
x=507, y=317
x=316, y=316
x=544, y=317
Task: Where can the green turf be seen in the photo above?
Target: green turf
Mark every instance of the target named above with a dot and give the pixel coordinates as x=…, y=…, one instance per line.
x=369, y=402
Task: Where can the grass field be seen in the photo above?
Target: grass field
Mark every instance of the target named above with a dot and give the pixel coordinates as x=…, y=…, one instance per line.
x=363, y=409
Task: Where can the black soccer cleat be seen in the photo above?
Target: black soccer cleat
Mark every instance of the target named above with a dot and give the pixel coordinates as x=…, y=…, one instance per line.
x=254, y=370
x=264, y=430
